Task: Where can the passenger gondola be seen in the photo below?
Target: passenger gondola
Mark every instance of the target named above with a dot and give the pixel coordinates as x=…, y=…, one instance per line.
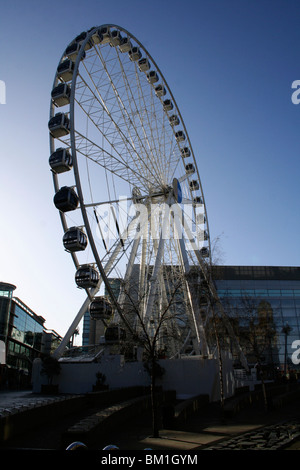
x=189, y=169
x=86, y=276
x=144, y=64
x=160, y=91
x=73, y=50
x=204, y=251
x=115, y=38
x=135, y=54
x=180, y=136
x=114, y=334
x=65, y=70
x=60, y=161
x=194, y=185
x=174, y=120
x=198, y=200
x=168, y=105
x=200, y=218
x=202, y=235
x=185, y=152
x=66, y=199
x=100, y=309
x=125, y=45
x=80, y=39
x=96, y=37
x=152, y=76
x=59, y=125
x=61, y=94
x=75, y=239
x=105, y=33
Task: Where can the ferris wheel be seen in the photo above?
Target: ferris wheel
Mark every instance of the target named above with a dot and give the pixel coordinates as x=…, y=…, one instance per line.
x=128, y=192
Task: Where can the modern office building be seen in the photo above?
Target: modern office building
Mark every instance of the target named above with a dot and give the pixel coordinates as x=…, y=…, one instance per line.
x=6, y=293
x=23, y=336
x=269, y=298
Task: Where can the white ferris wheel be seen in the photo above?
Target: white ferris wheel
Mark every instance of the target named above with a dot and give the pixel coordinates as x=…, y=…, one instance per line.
x=128, y=192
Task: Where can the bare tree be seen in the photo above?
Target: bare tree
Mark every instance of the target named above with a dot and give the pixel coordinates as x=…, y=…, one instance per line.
x=217, y=332
x=255, y=328
x=150, y=339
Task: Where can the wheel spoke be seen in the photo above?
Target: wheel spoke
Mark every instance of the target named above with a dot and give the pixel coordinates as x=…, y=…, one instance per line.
x=129, y=147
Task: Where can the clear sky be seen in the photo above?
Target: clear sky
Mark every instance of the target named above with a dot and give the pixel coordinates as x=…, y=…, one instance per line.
x=230, y=65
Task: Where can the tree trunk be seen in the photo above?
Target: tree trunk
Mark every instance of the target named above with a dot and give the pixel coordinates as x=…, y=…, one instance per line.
x=263, y=386
x=265, y=394
x=221, y=383
x=155, y=427
x=220, y=368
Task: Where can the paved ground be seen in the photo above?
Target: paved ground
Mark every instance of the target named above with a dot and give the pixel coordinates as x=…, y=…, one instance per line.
x=204, y=430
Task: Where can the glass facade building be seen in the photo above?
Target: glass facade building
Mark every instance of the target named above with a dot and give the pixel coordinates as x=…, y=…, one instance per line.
x=25, y=338
x=26, y=330
x=273, y=293
x=86, y=329
x=6, y=293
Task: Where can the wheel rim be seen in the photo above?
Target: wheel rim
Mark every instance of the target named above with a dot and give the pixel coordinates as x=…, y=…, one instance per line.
x=121, y=127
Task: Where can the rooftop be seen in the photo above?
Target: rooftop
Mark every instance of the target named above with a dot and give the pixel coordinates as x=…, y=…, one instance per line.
x=278, y=273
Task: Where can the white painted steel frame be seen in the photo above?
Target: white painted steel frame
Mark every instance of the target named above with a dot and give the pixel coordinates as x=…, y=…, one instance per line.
x=78, y=142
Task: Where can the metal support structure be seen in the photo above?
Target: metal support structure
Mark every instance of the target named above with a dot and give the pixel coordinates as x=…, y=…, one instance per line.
x=215, y=298
x=61, y=348
x=125, y=131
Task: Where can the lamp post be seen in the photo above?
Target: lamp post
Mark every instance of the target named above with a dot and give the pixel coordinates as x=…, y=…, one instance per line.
x=286, y=331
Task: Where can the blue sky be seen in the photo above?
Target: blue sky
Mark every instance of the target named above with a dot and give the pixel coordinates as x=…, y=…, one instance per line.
x=230, y=65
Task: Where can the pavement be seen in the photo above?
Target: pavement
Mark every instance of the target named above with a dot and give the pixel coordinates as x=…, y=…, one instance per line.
x=205, y=430
x=13, y=399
